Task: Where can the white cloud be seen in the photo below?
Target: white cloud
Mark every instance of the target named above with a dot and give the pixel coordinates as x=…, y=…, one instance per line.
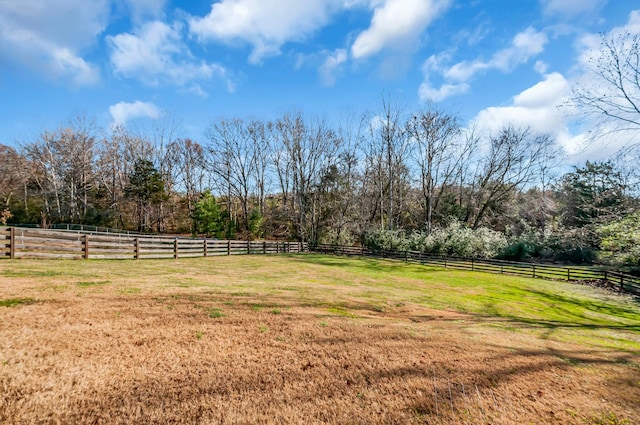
x=155, y=53
x=541, y=67
x=535, y=107
x=122, y=112
x=331, y=66
x=525, y=45
x=49, y=37
x=144, y=9
x=396, y=24
x=542, y=108
x=541, y=95
x=435, y=64
x=427, y=92
x=570, y=8
x=264, y=24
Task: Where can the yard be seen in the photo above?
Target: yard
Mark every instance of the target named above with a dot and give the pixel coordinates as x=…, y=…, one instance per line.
x=309, y=339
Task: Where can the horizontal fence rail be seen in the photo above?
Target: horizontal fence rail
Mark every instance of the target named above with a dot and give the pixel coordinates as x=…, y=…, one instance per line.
x=622, y=281
x=16, y=242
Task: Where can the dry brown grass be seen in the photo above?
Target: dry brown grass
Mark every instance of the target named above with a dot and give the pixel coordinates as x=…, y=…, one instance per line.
x=127, y=342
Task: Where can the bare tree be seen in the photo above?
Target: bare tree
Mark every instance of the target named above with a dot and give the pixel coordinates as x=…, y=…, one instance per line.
x=512, y=161
x=232, y=162
x=190, y=163
x=63, y=165
x=386, y=162
x=261, y=136
x=435, y=150
x=340, y=185
x=117, y=156
x=309, y=149
x=611, y=94
x=13, y=174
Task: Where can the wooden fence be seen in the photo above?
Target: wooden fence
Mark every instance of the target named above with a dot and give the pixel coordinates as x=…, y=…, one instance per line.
x=624, y=282
x=16, y=242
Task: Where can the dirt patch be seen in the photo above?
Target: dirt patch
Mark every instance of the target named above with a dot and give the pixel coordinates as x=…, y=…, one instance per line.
x=105, y=357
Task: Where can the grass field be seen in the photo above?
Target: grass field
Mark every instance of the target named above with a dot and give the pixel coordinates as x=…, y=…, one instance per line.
x=309, y=339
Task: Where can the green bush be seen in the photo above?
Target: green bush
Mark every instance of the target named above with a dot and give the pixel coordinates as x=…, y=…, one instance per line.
x=455, y=239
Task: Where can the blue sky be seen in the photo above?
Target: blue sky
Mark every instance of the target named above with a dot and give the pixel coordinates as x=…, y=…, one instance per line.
x=130, y=61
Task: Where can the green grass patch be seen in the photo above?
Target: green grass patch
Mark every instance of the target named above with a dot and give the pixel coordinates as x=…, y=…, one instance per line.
x=32, y=273
x=12, y=302
x=354, y=287
x=340, y=311
x=88, y=283
x=215, y=313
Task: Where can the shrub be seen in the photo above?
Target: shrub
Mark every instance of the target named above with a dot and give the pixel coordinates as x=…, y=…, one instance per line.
x=455, y=239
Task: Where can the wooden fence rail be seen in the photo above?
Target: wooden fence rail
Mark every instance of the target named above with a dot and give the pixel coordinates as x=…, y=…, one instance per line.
x=624, y=282
x=17, y=242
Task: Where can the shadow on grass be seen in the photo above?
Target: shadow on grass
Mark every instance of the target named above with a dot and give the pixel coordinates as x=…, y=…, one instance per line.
x=574, y=312
x=370, y=264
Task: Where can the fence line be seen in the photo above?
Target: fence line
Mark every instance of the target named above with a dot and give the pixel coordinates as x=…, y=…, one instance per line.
x=16, y=242
x=624, y=282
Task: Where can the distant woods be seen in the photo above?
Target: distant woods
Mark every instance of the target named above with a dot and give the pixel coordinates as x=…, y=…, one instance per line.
x=386, y=178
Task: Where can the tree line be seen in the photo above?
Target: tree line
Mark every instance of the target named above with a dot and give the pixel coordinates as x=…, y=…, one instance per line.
x=390, y=178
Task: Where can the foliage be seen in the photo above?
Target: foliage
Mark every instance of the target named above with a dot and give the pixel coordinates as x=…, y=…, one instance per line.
x=592, y=194
x=455, y=239
x=293, y=177
x=145, y=182
x=5, y=215
x=621, y=238
x=563, y=245
x=333, y=237
x=147, y=187
x=208, y=219
x=256, y=224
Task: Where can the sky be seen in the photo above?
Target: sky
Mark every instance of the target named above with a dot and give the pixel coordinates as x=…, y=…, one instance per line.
x=129, y=62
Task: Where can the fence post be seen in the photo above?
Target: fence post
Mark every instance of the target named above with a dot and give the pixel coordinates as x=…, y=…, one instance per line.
x=264, y=247
x=175, y=249
x=621, y=283
x=137, y=254
x=534, y=271
x=229, y=247
x=248, y=247
x=568, y=274
x=86, y=247
x=406, y=256
x=206, y=248
x=472, y=265
x=445, y=262
x=12, y=243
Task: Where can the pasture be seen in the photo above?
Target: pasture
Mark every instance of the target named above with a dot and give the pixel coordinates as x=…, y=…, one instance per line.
x=309, y=339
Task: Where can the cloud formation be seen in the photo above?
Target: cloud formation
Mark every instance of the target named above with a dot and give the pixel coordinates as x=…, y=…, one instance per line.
x=331, y=66
x=541, y=108
x=524, y=46
x=570, y=8
x=264, y=24
x=122, y=112
x=145, y=9
x=49, y=37
x=155, y=53
x=397, y=24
